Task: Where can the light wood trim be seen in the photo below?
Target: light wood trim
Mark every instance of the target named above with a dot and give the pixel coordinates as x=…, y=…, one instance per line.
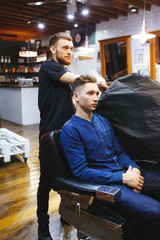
x=153, y=54
x=126, y=39
x=129, y=62
x=152, y=58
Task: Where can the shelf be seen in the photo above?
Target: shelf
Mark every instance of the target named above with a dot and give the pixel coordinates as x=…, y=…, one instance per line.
x=33, y=63
x=18, y=73
x=11, y=64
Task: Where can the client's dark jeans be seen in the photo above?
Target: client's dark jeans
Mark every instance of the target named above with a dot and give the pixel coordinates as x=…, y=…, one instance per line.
x=44, y=188
x=143, y=209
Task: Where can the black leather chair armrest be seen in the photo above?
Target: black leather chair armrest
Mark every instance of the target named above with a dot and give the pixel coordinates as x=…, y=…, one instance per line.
x=108, y=193
x=150, y=164
x=102, y=192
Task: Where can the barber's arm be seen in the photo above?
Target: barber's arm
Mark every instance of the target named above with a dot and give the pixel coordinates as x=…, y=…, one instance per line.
x=74, y=151
x=58, y=73
x=68, y=77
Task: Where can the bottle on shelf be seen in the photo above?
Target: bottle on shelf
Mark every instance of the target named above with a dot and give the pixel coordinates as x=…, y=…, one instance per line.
x=2, y=59
x=9, y=59
x=5, y=59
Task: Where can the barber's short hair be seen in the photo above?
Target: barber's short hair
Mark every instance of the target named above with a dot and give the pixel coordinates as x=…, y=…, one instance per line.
x=61, y=35
x=82, y=80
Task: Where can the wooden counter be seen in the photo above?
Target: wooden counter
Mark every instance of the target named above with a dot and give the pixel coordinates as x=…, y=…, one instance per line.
x=17, y=85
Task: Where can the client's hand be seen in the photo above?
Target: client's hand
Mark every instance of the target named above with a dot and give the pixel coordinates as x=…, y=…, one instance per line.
x=133, y=179
x=136, y=170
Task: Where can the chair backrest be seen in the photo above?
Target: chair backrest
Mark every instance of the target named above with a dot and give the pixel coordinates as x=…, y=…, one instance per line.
x=56, y=160
x=132, y=105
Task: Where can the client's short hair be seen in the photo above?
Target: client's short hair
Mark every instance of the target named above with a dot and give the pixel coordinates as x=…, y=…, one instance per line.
x=83, y=79
x=57, y=36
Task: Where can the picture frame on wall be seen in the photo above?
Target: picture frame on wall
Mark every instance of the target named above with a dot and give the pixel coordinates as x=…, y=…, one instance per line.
x=139, y=55
x=98, y=56
x=38, y=44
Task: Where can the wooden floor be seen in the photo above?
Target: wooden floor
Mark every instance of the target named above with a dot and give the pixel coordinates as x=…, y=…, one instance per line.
x=18, y=189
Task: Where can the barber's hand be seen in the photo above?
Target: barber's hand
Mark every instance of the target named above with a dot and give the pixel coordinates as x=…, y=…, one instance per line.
x=101, y=83
x=100, y=80
x=133, y=179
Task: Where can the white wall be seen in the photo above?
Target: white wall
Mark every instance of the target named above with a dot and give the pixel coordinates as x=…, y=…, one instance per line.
x=120, y=27
x=84, y=66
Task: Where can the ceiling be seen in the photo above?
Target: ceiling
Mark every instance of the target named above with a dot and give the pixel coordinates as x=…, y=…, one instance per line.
x=14, y=15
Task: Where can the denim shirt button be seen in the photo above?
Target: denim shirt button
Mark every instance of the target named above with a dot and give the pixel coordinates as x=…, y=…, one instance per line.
x=116, y=162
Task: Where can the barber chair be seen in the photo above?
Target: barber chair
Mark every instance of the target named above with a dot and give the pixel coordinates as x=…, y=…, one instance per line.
x=80, y=204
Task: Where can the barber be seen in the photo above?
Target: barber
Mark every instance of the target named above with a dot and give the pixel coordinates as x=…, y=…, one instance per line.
x=56, y=107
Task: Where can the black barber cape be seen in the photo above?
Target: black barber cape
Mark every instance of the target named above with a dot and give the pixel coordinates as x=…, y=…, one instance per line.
x=132, y=104
x=54, y=97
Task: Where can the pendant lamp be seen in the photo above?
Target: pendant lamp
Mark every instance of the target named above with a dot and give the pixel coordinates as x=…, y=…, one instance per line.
x=143, y=36
x=86, y=52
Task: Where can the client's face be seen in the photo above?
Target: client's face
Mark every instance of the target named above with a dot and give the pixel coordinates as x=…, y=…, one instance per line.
x=88, y=96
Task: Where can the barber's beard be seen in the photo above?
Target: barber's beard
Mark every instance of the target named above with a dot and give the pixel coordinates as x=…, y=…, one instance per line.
x=62, y=60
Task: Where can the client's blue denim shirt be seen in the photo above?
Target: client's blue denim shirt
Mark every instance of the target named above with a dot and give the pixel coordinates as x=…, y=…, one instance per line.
x=93, y=151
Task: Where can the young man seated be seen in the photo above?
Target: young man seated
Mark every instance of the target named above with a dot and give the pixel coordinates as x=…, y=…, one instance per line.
x=94, y=154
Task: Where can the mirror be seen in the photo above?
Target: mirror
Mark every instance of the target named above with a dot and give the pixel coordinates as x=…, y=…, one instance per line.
x=115, y=57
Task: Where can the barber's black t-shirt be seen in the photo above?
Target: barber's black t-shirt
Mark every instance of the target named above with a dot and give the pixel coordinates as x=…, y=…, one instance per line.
x=54, y=97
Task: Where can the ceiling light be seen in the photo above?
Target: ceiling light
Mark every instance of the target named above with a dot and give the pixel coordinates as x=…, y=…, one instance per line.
x=41, y=25
x=35, y=3
x=133, y=9
x=71, y=7
x=70, y=16
x=76, y=25
x=85, y=10
x=38, y=3
x=143, y=36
